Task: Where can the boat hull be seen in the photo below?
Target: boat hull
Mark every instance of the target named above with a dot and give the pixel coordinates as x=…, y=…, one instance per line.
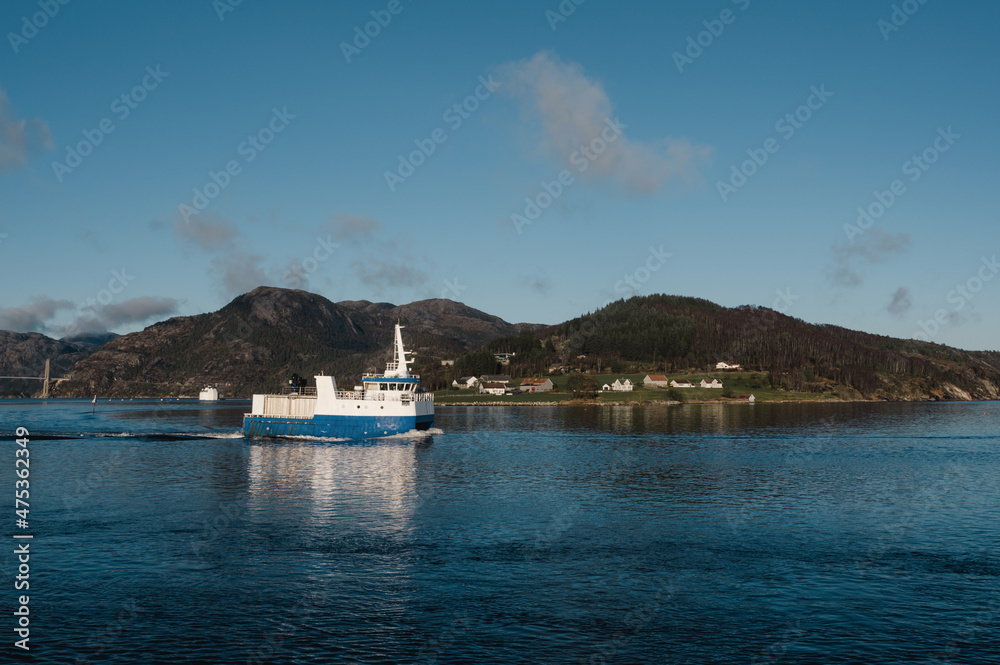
x=339, y=427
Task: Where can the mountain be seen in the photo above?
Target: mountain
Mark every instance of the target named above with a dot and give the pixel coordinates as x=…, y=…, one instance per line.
x=260, y=338
x=24, y=354
x=668, y=333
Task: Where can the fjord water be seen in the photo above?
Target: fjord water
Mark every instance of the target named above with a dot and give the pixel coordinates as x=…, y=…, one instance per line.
x=793, y=533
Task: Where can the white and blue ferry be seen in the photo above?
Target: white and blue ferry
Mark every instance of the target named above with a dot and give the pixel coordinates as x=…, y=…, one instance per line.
x=384, y=404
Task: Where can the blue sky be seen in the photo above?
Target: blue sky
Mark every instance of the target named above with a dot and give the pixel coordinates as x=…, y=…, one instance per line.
x=596, y=151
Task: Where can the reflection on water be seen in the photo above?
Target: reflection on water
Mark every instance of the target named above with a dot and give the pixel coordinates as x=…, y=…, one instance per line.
x=370, y=485
x=633, y=534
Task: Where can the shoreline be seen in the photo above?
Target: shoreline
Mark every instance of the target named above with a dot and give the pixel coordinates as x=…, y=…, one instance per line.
x=571, y=402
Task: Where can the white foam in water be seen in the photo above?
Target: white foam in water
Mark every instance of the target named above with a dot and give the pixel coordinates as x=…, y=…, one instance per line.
x=414, y=434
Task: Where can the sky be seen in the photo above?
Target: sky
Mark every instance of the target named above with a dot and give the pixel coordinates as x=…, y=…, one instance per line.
x=534, y=160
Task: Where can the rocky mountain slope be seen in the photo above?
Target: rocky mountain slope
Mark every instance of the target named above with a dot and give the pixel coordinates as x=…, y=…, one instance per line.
x=24, y=354
x=260, y=338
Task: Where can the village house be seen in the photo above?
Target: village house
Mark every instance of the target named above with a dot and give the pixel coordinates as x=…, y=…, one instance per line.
x=494, y=378
x=748, y=398
x=465, y=382
x=656, y=381
x=447, y=363
x=622, y=386
x=681, y=384
x=504, y=358
x=492, y=388
x=725, y=365
x=714, y=383
x=536, y=385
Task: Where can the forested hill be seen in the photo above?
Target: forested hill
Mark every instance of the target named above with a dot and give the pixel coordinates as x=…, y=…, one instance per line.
x=259, y=339
x=256, y=341
x=672, y=333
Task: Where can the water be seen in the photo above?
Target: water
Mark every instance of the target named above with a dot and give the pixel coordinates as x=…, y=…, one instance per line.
x=789, y=533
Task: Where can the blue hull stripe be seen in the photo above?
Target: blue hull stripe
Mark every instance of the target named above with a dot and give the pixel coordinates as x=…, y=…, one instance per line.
x=340, y=427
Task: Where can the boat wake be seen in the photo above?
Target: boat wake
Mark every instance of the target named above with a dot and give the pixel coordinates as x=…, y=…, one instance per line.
x=148, y=436
x=414, y=434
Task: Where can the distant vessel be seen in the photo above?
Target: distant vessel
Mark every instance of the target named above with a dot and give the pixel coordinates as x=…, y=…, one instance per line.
x=384, y=404
x=209, y=394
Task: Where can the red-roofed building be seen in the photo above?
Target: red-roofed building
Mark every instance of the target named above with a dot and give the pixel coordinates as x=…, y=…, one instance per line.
x=656, y=381
x=536, y=385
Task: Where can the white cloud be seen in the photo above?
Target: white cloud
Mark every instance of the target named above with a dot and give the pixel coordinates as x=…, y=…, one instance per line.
x=20, y=137
x=574, y=110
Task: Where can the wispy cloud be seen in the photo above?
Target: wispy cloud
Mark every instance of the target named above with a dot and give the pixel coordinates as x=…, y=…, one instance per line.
x=208, y=233
x=33, y=317
x=39, y=316
x=381, y=275
x=345, y=226
x=20, y=137
x=539, y=282
x=574, y=109
x=900, y=303
x=875, y=247
x=98, y=319
x=236, y=268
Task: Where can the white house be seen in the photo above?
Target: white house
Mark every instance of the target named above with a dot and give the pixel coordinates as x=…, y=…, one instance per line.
x=656, y=381
x=465, y=382
x=447, y=363
x=622, y=386
x=536, y=385
x=492, y=388
x=714, y=383
x=725, y=365
x=681, y=384
x=605, y=387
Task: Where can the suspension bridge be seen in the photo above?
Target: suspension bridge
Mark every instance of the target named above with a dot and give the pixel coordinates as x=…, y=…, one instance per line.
x=47, y=380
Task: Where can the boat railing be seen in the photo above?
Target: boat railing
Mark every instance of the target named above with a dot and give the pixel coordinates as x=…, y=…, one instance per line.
x=290, y=390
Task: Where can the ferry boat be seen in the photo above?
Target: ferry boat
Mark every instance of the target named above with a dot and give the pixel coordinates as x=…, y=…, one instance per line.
x=384, y=404
x=209, y=394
